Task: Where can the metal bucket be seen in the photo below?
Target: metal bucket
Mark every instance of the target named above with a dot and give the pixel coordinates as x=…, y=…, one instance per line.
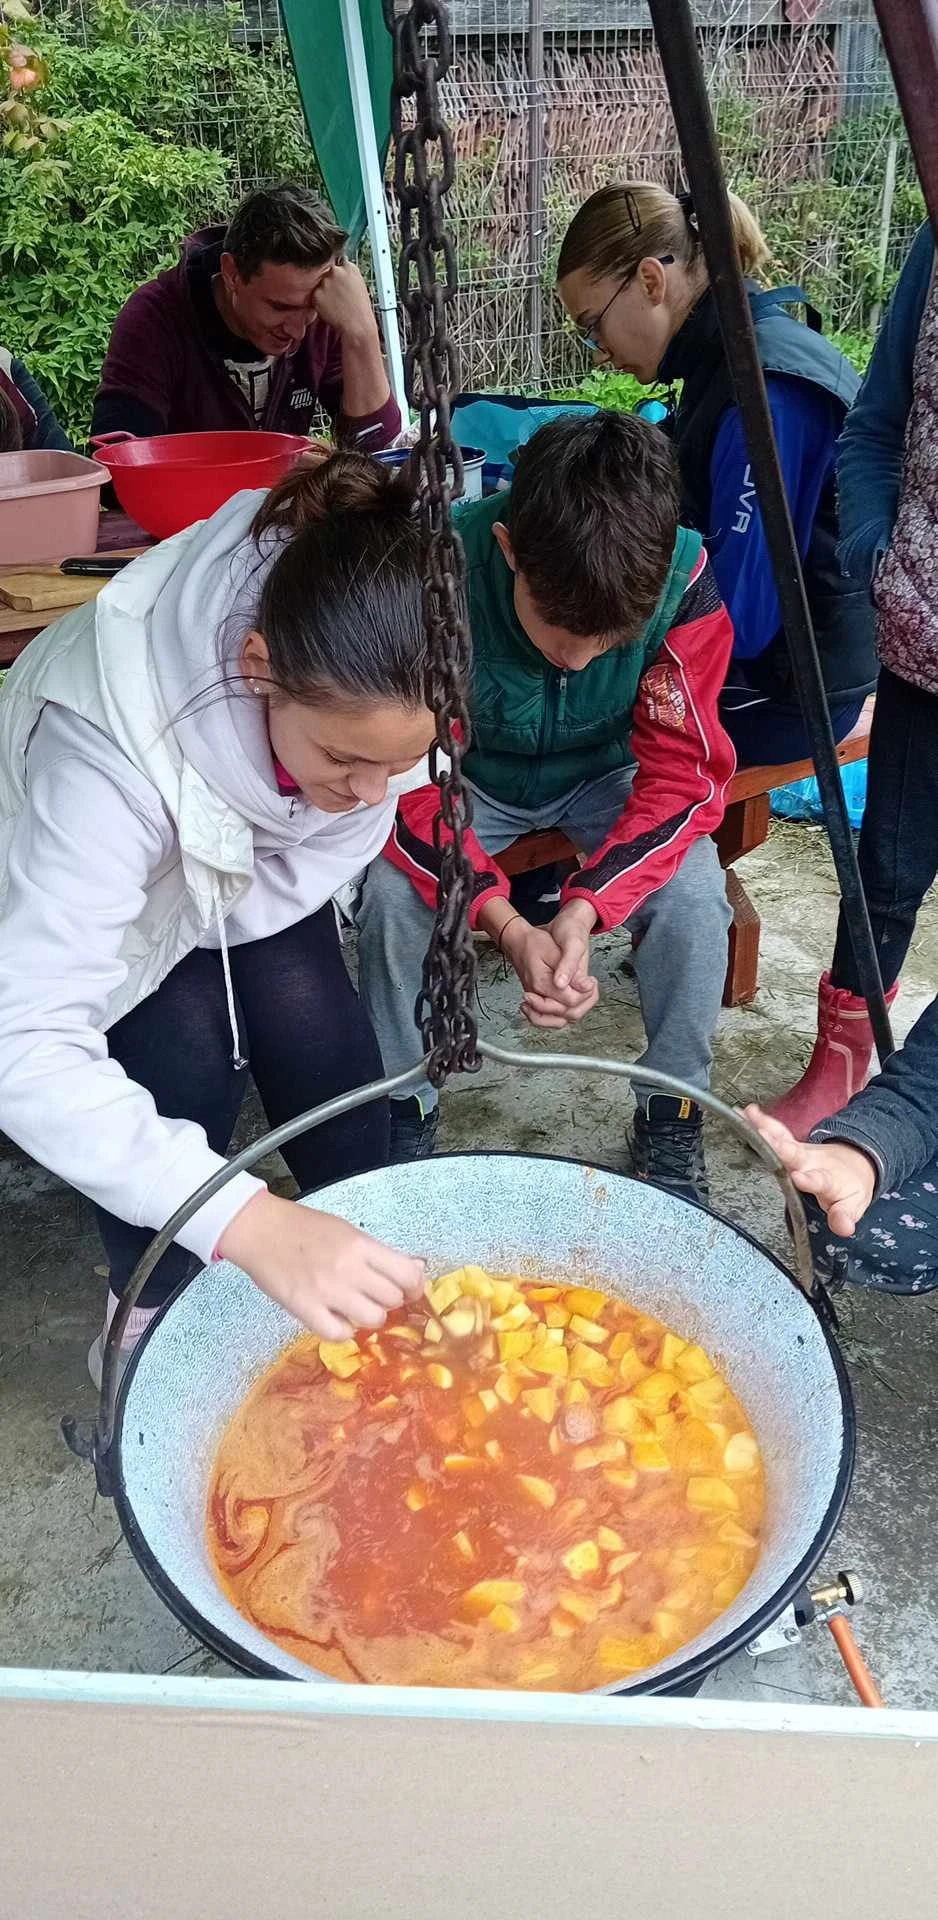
x=553, y=1218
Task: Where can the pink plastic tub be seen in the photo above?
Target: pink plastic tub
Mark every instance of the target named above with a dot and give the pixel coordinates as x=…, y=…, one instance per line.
x=49, y=507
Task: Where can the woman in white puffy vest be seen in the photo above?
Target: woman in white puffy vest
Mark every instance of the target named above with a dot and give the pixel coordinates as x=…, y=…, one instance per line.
x=190, y=769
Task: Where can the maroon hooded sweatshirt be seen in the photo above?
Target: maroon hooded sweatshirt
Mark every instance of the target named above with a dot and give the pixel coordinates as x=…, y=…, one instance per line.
x=174, y=367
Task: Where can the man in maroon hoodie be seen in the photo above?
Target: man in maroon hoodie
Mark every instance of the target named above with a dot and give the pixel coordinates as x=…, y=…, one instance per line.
x=257, y=323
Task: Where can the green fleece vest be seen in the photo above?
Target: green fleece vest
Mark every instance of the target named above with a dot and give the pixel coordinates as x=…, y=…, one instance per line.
x=539, y=732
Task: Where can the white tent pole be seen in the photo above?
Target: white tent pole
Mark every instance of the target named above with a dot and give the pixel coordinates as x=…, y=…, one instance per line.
x=375, y=204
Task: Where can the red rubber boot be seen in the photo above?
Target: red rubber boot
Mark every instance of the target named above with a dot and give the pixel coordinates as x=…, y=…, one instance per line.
x=839, y=1065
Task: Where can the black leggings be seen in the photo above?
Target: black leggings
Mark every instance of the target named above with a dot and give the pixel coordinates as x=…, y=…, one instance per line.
x=898, y=850
x=307, y=1039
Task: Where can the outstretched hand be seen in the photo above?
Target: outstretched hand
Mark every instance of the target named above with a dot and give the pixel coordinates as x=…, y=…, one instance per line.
x=841, y=1178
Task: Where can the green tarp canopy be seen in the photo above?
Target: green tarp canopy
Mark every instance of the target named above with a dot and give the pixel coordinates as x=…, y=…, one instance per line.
x=314, y=31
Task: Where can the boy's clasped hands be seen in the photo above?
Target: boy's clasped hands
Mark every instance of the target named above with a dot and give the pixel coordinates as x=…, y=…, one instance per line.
x=551, y=962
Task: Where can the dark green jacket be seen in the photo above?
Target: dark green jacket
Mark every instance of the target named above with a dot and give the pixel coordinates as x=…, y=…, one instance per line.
x=539, y=732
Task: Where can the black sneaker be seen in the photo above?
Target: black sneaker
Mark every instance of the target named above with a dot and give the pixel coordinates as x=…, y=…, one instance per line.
x=667, y=1147
x=413, y=1134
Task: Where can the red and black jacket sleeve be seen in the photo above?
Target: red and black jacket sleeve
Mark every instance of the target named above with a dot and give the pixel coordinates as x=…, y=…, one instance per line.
x=685, y=761
x=412, y=849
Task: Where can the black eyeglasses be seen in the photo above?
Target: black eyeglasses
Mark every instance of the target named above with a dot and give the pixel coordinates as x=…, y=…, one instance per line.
x=590, y=335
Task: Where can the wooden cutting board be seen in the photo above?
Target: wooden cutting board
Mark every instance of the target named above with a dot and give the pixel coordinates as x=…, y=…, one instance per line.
x=37, y=592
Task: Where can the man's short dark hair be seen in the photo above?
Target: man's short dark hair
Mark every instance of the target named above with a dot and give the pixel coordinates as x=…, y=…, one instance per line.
x=286, y=224
x=592, y=518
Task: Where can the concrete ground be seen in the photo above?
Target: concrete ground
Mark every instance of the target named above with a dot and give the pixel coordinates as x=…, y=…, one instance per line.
x=70, y=1593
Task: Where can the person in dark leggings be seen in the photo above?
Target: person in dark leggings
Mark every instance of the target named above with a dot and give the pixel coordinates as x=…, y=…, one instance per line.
x=870, y=1173
x=888, y=479
x=190, y=769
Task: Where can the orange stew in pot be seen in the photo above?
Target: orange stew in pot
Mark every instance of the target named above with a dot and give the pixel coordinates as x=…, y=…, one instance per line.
x=520, y=1485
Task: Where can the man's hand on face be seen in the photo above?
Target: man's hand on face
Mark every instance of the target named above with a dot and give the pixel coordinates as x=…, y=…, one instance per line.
x=342, y=301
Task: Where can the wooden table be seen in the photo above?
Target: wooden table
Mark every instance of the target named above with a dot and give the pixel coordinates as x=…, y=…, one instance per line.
x=118, y=539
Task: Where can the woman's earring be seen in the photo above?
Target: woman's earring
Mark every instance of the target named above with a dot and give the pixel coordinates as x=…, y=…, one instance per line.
x=255, y=688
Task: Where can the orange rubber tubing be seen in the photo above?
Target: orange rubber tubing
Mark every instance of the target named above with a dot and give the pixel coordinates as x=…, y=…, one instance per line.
x=854, y=1662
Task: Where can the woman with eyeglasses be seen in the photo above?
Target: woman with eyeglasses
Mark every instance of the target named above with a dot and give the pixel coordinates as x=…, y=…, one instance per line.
x=633, y=278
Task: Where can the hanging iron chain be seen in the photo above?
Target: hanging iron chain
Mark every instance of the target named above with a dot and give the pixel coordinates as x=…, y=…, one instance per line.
x=427, y=286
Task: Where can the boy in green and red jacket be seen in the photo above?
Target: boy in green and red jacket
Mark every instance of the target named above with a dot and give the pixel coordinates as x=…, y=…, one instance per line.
x=600, y=647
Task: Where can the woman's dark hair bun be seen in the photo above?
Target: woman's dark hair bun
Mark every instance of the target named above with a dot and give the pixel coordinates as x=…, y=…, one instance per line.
x=330, y=481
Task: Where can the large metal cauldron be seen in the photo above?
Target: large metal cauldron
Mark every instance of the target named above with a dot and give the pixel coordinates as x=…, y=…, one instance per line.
x=553, y=1218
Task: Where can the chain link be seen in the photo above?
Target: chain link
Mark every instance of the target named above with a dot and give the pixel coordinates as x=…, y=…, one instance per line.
x=427, y=286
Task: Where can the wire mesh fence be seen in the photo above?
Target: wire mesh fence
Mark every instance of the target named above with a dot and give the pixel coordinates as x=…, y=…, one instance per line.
x=551, y=98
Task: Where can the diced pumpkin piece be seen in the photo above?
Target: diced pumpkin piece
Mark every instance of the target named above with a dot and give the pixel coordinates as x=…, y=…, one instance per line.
x=725, y=1591
x=620, y=1561
x=538, y=1490
x=556, y=1316
x=464, y=1546
x=438, y=1375
x=695, y=1448
x=666, y=1426
x=692, y=1364
x=461, y=1321
x=407, y=1334
x=342, y=1357
x=599, y=1455
x=549, y=1359
x=504, y=1294
x=668, y=1625
x=609, y=1540
x=504, y=1620
x=462, y=1463
x=714, y=1561
x=610, y=1596
x=514, y=1345
x=507, y=1388
x=386, y=1405
x=433, y=1333
x=417, y=1497
x=576, y=1394
x=344, y=1389
x=586, y=1300
x=475, y=1413
x=632, y=1368
x=586, y=1457
x=535, y=1670
x=542, y=1402
x=711, y=1495
x=617, y=1655
x=445, y=1291
x=657, y=1391
x=582, y=1606
x=671, y=1346
x=581, y=1559
x=479, y=1600
x=476, y=1283
x=619, y=1344
x=495, y=1451
x=622, y=1415
x=562, y=1627
x=588, y=1330
x=407, y=1373
x=736, y=1536
x=543, y=1293
x=587, y=1364
x=649, y=1455
x=551, y=1336
x=517, y=1315
x=741, y=1454
x=571, y=1511
x=489, y=1399
x=705, y=1396
x=623, y=1479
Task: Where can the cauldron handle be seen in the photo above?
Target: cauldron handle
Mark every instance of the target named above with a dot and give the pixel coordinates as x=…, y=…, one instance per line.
x=98, y=1446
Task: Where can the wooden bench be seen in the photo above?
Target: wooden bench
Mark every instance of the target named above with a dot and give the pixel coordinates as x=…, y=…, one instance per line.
x=745, y=825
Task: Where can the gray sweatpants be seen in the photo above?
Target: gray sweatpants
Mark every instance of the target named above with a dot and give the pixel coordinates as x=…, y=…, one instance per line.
x=680, y=963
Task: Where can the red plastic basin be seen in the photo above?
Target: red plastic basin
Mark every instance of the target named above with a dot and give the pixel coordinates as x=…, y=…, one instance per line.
x=168, y=482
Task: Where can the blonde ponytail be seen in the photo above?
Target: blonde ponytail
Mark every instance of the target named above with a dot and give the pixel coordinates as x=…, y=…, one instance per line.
x=622, y=225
